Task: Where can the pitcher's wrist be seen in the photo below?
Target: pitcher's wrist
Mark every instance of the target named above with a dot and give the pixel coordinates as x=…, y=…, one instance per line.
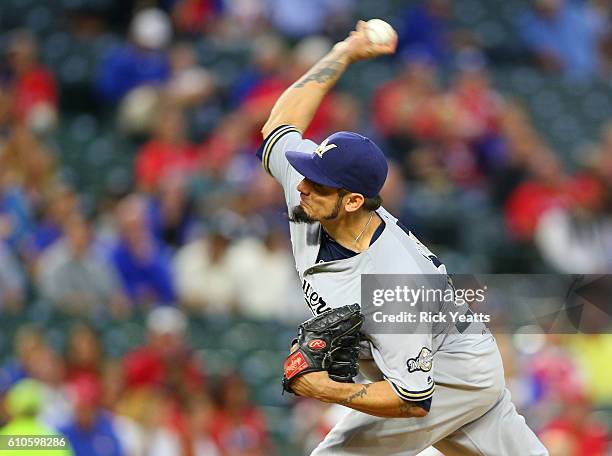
x=341, y=53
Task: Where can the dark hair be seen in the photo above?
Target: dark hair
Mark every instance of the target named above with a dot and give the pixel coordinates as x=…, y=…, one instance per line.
x=369, y=204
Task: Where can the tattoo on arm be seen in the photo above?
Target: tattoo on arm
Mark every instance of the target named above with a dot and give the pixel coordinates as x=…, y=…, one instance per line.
x=362, y=392
x=405, y=408
x=328, y=71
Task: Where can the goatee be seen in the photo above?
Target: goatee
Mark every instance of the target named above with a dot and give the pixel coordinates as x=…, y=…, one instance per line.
x=299, y=215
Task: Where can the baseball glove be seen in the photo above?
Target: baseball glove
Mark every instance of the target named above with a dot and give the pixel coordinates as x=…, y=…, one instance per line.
x=330, y=342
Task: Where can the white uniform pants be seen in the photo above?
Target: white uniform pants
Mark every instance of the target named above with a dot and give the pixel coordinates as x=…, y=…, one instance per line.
x=471, y=414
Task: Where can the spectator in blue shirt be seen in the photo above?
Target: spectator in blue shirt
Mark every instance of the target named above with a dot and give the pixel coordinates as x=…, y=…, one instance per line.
x=16, y=222
x=27, y=341
x=426, y=26
x=563, y=36
x=142, y=61
x=91, y=431
x=298, y=18
x=171, y=212
x=141, y=264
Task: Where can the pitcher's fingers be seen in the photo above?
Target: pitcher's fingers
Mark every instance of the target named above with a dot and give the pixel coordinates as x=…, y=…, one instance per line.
x=388, y=48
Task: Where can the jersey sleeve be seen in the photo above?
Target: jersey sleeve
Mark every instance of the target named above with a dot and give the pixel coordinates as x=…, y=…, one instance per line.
x=272, y=155
x=406, y=361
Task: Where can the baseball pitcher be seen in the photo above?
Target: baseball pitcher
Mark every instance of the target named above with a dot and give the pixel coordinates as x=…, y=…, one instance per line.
x=441, y=389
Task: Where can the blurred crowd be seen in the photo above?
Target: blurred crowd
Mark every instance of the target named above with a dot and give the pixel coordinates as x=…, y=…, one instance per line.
x=156, y=400
x=203, y=228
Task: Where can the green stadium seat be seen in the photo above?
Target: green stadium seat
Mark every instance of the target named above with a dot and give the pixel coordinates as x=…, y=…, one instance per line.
x=370, y=10
x=116, y=343
x=526, y=81
x=56, y=338
x=83, y=129
x=218, y=362
x=54, y=48
x=119, y=336
x=597, y=105
x=72, y=4
x=73, y=70
x=100, y=152
x=102, y=44
x=118, y=180
x=566, y=129
x=96, y=5
x=372, y=75
x=262, y=366
x=39, y=312
x=468, y=12
x=270, y=395
x=279, y=423
x=242, y=337
x=201, y=334
x=546, y=103
x=492, y=33
x=40, y=18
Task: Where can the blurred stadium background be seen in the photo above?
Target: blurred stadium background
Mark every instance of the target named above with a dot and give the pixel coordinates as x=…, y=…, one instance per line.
x=129, y=183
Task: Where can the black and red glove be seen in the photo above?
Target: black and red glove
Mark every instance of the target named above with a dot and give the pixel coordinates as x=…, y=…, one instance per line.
x=329, y=342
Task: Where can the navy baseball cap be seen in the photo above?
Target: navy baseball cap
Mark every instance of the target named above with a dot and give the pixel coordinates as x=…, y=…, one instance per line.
x=344, y=160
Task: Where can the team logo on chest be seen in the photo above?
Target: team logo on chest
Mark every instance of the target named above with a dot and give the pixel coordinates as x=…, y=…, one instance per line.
x=324, y=147
x=315, y=302
x=422, y=362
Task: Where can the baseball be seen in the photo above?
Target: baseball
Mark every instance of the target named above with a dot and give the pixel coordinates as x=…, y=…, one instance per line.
x=379, y=31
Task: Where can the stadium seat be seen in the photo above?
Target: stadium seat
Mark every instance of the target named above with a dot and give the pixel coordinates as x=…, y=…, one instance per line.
x=261, y=367
x=218, y=362
x=468, y=12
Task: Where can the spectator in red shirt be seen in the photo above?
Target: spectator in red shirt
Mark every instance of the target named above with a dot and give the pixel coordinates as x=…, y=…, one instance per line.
x=546, y=188
x=165, y=361
x=85, y=354
x=239, y=427
x=470, y=118
x=229, y=139
x=32, y=88
x=167, y=152
x=405, y=109
x=191, y=17
x=258, y=102
x=478, y=107
x=197, y=438
x=575, y=432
